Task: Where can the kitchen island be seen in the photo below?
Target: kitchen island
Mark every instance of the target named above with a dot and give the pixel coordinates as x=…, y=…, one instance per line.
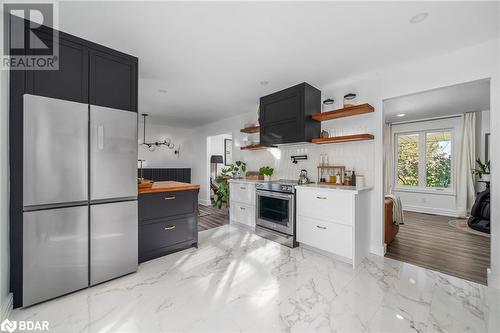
x=168, y=218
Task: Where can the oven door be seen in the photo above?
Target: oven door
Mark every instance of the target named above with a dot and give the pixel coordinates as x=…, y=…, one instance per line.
x=275, y=211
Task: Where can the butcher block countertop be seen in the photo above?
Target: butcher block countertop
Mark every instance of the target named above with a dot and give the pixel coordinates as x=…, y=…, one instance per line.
x=168, y=186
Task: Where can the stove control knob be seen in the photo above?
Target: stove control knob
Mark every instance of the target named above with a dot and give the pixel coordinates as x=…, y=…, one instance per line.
x=289, y=188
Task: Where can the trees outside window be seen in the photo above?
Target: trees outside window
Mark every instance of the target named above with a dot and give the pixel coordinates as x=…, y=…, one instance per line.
x=408, y=159
x=424, y=159
x=438, y=159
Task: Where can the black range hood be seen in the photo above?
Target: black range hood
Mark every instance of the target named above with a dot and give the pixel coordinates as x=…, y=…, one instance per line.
x=285, y=116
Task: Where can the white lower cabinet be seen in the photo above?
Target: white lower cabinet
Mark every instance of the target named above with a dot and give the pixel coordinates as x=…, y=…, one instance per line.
x=241, y=213
x=242, y=202
x=335, y=221
x=331, y=237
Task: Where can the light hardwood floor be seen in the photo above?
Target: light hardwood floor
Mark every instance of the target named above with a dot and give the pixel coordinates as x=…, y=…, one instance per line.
x=429, y=241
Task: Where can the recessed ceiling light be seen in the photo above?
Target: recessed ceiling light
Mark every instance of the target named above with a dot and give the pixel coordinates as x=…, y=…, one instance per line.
x=420, y=17
x=162, y=91
x=401, y=115
x=264, y=83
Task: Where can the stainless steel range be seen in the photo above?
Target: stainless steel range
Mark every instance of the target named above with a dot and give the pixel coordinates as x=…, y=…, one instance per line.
x=275, y=211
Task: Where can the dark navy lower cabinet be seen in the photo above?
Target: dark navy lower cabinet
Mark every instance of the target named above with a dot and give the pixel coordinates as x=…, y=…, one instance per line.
x=168, y=222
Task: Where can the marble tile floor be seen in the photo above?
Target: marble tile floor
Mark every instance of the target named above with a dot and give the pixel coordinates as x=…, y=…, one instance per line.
x=236, y=281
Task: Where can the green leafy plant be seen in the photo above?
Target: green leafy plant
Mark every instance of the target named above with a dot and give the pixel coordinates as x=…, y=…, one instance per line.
x=236, y=169
x=222, y=194
x=482, y=168
x=266, y=171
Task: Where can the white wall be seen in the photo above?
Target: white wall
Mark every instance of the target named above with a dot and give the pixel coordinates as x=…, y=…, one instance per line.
x=164, y=157
x=4, y=192
x=464, y=65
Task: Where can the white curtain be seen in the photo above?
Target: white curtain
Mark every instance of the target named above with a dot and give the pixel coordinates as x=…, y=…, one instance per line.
x=464, y=163
x=388, y=160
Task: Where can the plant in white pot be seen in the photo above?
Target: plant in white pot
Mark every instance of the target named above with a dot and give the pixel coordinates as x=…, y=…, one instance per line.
x=267, y=172
x=483, y=170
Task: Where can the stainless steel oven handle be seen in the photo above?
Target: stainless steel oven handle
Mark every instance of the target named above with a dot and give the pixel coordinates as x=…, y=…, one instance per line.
x=274, y=195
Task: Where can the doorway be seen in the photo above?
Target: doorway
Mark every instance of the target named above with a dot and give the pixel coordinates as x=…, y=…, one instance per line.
x=436, y=179
x=215, y=213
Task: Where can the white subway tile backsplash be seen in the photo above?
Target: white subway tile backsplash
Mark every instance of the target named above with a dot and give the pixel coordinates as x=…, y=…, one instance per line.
x=354, y=155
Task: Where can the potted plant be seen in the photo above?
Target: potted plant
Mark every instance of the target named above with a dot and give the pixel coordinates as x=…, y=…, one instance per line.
x=222, y=194
x=267, y=172
x=237, y=169
x=483, y=170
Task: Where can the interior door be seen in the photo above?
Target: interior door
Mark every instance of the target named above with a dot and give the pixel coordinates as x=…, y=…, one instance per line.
x=114, y=240
x=55, y=253
x=55, y=151
x=113, y=157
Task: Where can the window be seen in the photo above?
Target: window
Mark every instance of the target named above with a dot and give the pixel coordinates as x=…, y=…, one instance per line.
x=438, y=159
x=424, y=159
x=408, y=159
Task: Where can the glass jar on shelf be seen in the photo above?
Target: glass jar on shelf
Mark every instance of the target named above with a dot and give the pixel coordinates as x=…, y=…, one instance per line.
x=350, y=100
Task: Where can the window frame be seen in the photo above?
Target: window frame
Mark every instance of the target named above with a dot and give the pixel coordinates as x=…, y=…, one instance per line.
x=422, y=165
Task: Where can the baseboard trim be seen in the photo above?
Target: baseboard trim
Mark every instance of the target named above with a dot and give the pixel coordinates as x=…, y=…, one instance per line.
x=205, y=202
x=326, y=253
x=7, y=305
x=493, y=279
x=378, y=250
x=429, y=210
x=242, y=225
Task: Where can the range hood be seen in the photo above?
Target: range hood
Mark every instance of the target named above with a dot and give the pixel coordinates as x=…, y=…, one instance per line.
x=285, y=116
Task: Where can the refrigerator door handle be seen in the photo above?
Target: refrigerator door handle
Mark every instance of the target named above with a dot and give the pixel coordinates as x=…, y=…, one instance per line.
x=100, y=137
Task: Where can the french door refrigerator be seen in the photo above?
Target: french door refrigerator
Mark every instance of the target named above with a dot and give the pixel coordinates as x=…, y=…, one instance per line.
x=79, y=196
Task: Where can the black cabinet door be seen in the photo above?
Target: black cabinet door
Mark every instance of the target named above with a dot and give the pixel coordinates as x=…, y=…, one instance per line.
x=113, y=81
x=280, y=119
x=165, y=204
x=167, y=232
x=285, y=115
x=70, y=81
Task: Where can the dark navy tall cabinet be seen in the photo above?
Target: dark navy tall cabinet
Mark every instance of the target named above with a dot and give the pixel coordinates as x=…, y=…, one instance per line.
x=88, y=73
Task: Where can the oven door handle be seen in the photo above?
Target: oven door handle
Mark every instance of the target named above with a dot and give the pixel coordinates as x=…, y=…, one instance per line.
x=274, y=195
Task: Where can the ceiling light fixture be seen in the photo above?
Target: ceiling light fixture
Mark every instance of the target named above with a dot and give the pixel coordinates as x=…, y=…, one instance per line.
x=162, y=91
x=401, y=115
x=263, y=83
x=420, y=17
x=153, y=145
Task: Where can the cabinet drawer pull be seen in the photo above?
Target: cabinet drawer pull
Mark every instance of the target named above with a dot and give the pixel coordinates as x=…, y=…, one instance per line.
x=320, y=227
x=242, y=208
x=170, y=198
x=171, y=227
x=243, y=188
x=322, y=198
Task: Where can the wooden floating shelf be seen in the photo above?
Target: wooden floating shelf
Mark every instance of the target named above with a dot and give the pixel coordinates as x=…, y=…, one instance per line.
x=250, y=130
x=345, y=112
x=254, y=147
x=344, y=138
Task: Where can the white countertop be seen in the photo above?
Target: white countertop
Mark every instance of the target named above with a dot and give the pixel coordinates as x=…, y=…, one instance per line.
x=245, y=181
x=353, y=189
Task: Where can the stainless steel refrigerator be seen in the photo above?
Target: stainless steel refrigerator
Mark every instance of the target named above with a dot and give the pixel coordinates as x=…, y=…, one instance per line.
x=79, y=196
